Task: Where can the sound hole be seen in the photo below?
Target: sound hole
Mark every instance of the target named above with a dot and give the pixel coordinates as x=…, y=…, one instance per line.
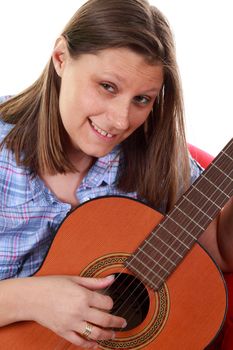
x=131, y=299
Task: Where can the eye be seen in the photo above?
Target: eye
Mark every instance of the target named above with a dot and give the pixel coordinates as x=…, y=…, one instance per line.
x=108, y=87
x=142, y=100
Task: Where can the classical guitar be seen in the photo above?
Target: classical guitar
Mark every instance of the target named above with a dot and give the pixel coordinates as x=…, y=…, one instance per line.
x=167, y=286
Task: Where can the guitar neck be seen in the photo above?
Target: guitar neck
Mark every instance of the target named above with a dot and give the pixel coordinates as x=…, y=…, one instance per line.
x=166, y=246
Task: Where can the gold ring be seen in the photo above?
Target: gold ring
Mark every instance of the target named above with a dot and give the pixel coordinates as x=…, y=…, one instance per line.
x=87, y=331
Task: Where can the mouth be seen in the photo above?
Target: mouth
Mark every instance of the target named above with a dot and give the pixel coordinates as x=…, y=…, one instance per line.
x=100, y=131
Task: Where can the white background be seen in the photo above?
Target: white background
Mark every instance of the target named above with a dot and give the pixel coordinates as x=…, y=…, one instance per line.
x=203, y=31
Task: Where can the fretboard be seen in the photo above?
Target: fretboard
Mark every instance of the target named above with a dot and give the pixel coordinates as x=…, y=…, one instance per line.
x=166, y=246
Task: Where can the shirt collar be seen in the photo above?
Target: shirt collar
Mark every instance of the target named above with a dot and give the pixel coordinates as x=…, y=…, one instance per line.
x=104, y=170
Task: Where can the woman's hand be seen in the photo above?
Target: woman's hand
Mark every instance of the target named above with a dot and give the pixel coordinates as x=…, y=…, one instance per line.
x=65, y=304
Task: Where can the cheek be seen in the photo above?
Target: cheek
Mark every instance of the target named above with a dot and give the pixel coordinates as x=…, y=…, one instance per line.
x=66, y=98
x=75, y=103
x=138, y=119
x=135, y=123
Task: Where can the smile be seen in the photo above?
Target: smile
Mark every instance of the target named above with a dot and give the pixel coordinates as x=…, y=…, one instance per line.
x=101, y=131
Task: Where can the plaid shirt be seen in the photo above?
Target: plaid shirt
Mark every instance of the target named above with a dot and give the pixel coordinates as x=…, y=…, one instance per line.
x=30, y=213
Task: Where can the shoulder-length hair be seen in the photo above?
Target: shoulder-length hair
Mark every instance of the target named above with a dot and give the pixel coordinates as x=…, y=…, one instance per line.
x=156, y=156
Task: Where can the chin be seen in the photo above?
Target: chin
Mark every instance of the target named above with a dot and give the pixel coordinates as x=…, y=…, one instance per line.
x=93, y=150
x=99, y=154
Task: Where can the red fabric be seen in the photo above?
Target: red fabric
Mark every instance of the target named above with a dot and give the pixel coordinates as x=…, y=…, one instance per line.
x=202, y=157
x=224, y=340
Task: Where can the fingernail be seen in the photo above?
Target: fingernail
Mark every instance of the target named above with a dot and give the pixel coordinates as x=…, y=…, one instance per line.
x=110, y=277
x=124, y=324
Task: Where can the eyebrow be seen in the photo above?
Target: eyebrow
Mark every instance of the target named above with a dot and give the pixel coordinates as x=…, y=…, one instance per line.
x=121, y=79
x=115, y=75
x=156, y=90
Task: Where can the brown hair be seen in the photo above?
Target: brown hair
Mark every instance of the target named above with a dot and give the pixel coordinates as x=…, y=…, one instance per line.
x=156, y=157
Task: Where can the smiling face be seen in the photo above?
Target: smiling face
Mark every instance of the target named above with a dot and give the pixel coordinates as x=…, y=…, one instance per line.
x=104, y=97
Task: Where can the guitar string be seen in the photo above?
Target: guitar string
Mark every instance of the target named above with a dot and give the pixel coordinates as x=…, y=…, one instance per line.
x=130, y=283
x=170, y=247
x=145, y=300
x=135, y=278
x=125, y=270
x=178, y=235
x=135, y=300
x=191, y=213
x=135, y=310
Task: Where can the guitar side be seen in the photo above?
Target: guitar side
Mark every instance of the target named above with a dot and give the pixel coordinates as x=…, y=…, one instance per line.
x=95, y=240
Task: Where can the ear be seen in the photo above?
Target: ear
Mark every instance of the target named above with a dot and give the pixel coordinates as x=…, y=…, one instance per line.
x=60, y=55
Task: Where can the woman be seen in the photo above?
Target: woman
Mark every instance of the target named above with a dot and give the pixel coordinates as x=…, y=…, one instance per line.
x=104, y=118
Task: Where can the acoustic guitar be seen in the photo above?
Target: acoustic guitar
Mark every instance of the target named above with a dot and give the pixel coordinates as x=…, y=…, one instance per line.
x=167, y=286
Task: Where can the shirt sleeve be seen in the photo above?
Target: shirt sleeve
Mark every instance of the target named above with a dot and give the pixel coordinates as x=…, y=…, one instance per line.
x=4, y=98
x=195, y=170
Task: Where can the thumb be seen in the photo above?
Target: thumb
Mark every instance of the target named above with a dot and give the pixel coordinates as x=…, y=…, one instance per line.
x=94, y=283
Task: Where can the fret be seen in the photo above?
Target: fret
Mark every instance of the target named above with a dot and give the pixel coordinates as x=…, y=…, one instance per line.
x=148, y=278
x=168, y=246
x=160, y=252
x=175, y=237
x=192, y=220
x=217, y=177
x=198, y=209
x=181, y=225
x=201, y=194
x=223, y=165
x=152, y=259
x=222, y=171
x=227, y=155
x=229, y=147
x=170, y=241
x=163, y=255
x=189, y=218
x=218, y=188
x=144, y=262
x=213, y=183
x=212, y=200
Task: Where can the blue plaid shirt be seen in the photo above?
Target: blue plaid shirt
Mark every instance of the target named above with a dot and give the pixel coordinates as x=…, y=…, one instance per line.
x=30, y=213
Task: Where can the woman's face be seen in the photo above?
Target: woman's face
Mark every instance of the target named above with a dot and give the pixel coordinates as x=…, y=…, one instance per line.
x=104, y=97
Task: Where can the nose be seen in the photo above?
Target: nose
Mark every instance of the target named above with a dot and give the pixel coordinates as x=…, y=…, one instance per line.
x=118, y=114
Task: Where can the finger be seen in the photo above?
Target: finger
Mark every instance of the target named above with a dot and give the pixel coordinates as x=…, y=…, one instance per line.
x=78, y=340
x=96, y=333
x=94, y=283
x=104, y=319
x=100, y=301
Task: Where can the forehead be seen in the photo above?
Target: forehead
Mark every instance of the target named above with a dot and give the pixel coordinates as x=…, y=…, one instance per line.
x=124, y=65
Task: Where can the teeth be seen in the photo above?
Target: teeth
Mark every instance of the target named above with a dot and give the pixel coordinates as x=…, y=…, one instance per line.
x=100, y=131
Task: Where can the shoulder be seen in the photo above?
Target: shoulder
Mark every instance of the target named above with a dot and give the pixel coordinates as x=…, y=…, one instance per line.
x=17, y=186
x=5, y=128
x=4, y=98
x=14, y=179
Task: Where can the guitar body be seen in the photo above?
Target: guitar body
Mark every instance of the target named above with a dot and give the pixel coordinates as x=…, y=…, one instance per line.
x=95, y=240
